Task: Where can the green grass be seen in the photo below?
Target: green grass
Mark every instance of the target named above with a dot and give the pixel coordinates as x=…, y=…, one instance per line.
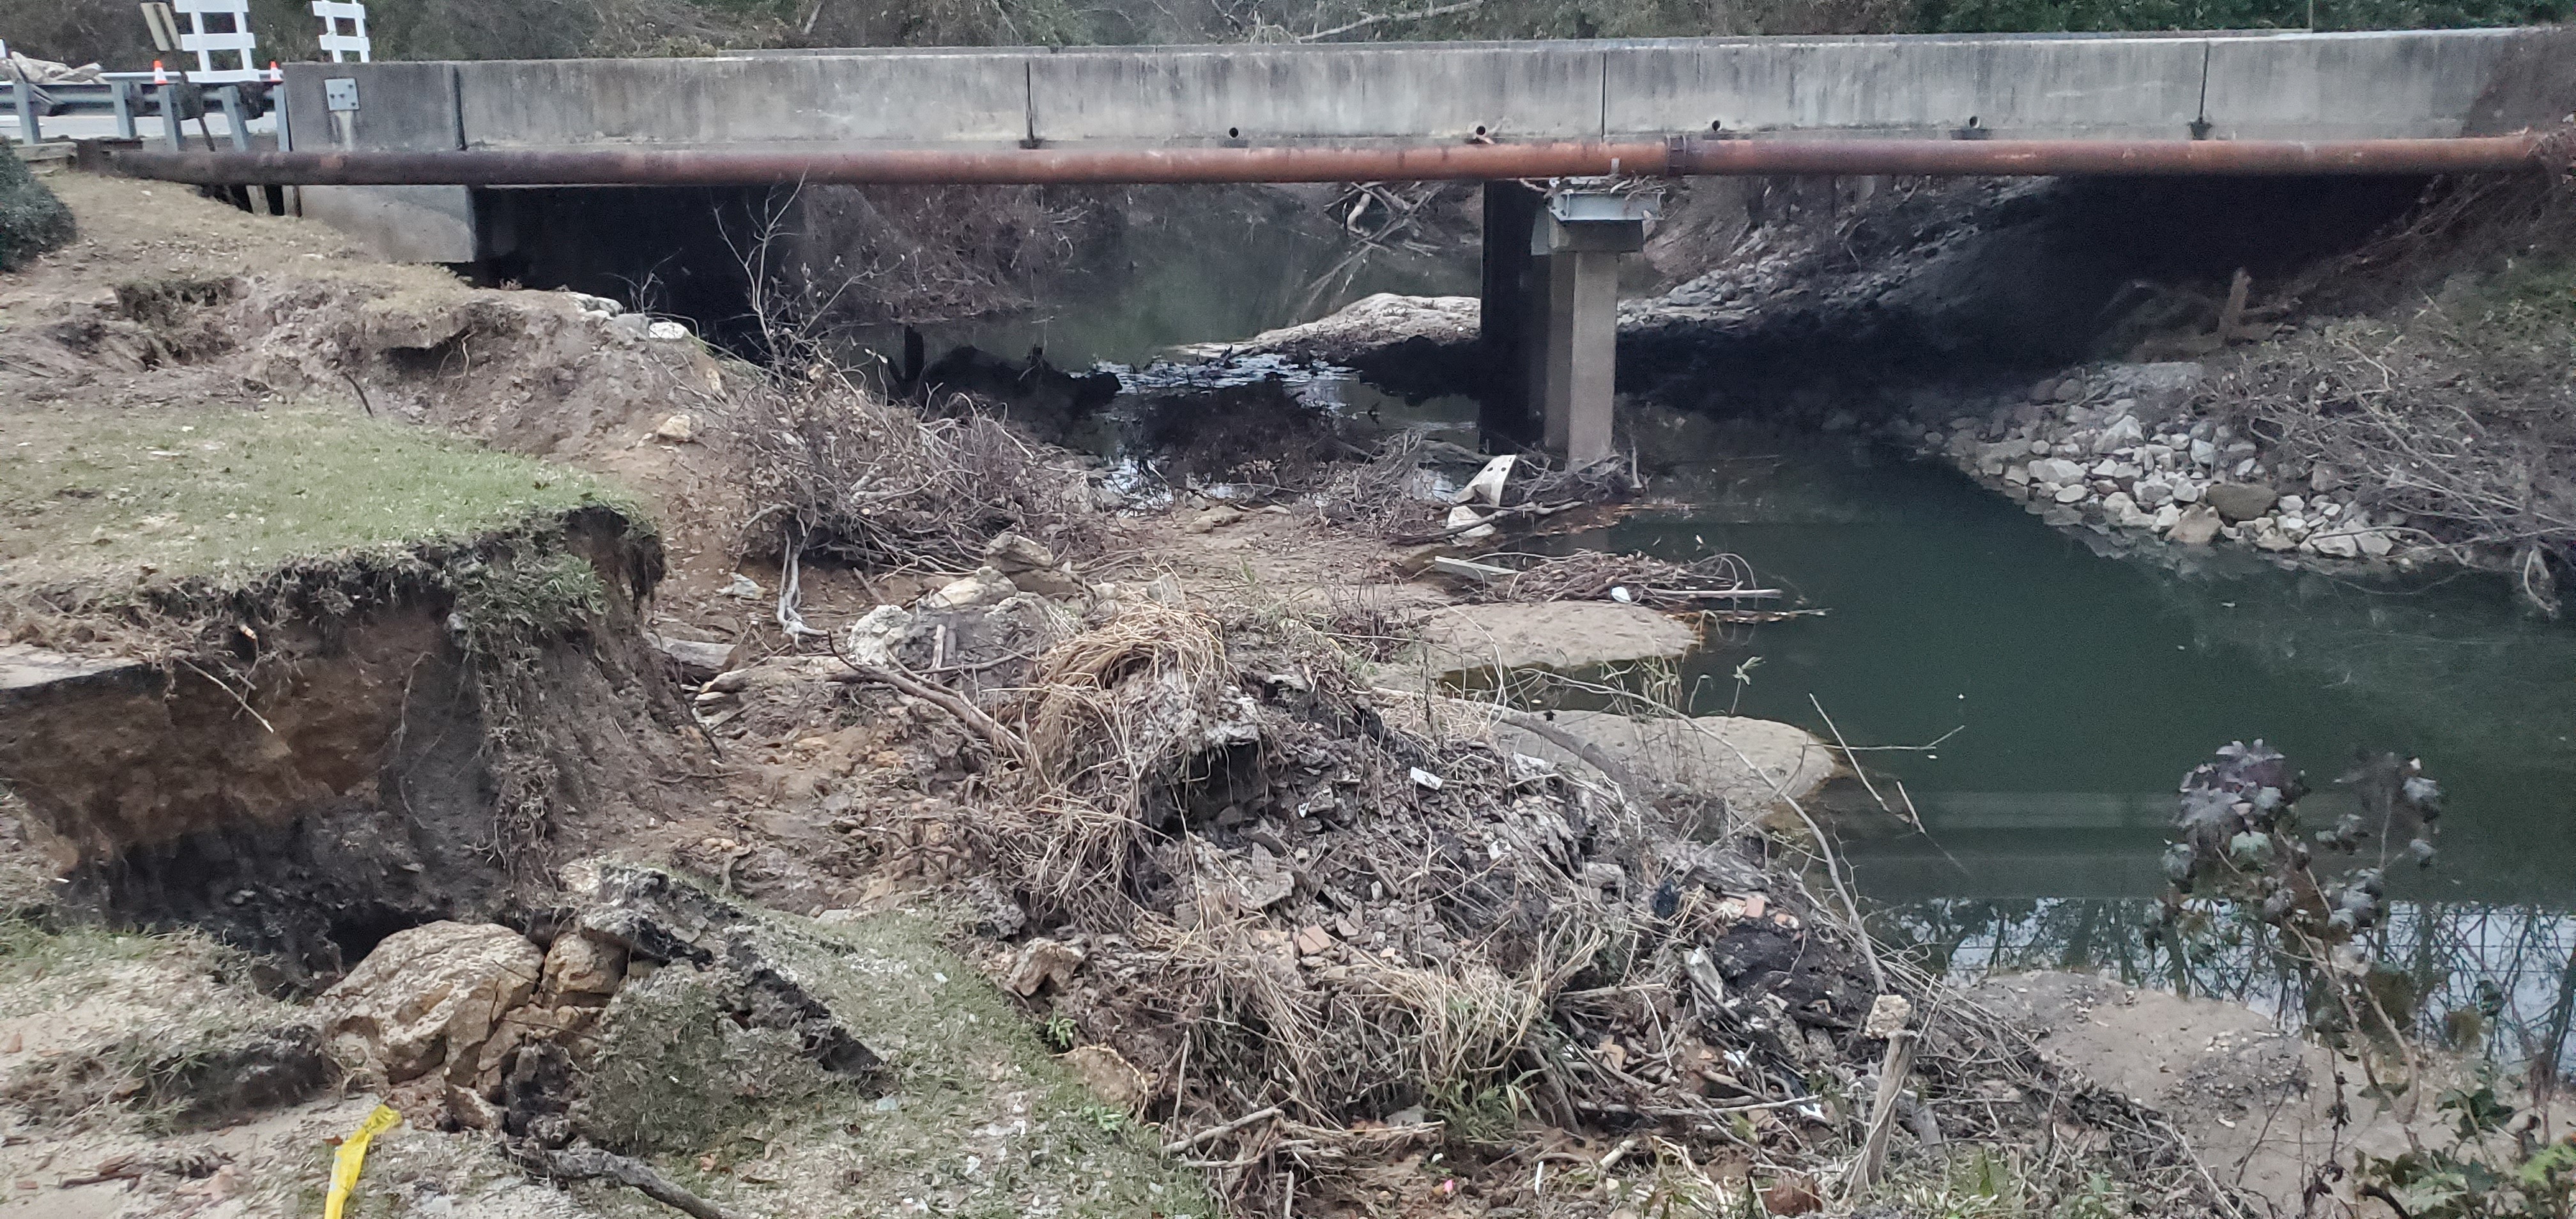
x=104, y=497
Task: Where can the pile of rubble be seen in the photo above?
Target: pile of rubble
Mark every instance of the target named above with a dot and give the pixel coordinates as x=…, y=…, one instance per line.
x=2117, y=448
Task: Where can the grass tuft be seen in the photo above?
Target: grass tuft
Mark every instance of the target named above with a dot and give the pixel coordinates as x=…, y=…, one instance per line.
x=118, y=498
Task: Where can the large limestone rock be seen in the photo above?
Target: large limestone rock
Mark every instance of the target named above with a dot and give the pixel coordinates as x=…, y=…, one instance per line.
x=2241, y=501
x=427, y=999
x=1757, y=765
x=2197, y=526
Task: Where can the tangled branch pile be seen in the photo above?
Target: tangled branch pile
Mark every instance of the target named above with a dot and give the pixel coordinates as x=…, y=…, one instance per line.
x=841, y=471
x=1593, y=575
x=2445, y=397
x=1397, y=494
x=1322, y=933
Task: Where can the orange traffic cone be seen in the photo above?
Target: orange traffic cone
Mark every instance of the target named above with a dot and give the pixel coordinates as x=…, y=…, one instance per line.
x=276, y=76
x=159, y=75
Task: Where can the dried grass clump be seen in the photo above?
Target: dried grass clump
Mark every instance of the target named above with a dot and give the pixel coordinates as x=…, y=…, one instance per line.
x=836, y=469
x=1116, y=718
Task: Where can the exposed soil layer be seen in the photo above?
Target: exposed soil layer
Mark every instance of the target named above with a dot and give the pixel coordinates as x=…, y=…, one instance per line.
x=338, y=780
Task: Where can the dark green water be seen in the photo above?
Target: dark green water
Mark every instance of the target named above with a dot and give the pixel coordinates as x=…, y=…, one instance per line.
x=2076, y=684
x=2076, y=687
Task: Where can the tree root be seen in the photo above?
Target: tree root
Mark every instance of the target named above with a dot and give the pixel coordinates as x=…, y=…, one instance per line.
x=593, y=1164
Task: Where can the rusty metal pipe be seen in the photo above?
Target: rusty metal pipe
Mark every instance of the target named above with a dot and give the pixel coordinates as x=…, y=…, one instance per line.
x=1382, y=163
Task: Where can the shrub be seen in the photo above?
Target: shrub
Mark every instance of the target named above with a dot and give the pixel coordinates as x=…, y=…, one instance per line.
x=32, y=220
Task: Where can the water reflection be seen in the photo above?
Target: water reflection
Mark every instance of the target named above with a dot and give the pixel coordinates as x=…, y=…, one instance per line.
x=2513, y=967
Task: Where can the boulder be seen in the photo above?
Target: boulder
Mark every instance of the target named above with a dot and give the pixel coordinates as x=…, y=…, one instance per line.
x=2056, y=470
x=1110, y=1076
x=2075, y=494
x=2121, y=433
x=2337, y=545
x=2124, y=512
x=2241, y=501
x=2188, y=492
x=2151, y=493
x=2197, y=525
x=2374, y=543
x=2270, y=537
x=1042, y=963
x=428, y=998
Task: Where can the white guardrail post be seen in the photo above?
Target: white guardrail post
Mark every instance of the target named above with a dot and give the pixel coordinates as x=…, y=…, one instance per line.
x=344, y=30
x=198, y=34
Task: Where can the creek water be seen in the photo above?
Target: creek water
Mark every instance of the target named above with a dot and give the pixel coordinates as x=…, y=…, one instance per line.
x=2069, y=683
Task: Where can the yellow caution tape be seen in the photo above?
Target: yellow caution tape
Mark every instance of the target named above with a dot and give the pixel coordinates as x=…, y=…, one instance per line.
x=353, y=1156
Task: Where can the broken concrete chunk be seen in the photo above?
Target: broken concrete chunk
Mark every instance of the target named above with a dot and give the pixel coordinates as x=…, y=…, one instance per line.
x=698, y=661
x=431, y=996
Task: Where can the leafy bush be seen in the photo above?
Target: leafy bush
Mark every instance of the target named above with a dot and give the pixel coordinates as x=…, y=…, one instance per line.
x=2493, y=1168
x=32, y=220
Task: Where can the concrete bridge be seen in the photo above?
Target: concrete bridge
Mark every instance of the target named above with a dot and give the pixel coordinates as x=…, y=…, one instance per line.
x=415, y=149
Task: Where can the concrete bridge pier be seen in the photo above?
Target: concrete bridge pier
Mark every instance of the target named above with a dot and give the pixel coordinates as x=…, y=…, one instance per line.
x=1550, y=312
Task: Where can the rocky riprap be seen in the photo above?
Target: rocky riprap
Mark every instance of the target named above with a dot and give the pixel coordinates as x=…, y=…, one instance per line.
x=2119, y=446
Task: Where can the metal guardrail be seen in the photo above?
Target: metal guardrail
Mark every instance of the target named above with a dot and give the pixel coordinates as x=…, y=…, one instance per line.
x=129, y=97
